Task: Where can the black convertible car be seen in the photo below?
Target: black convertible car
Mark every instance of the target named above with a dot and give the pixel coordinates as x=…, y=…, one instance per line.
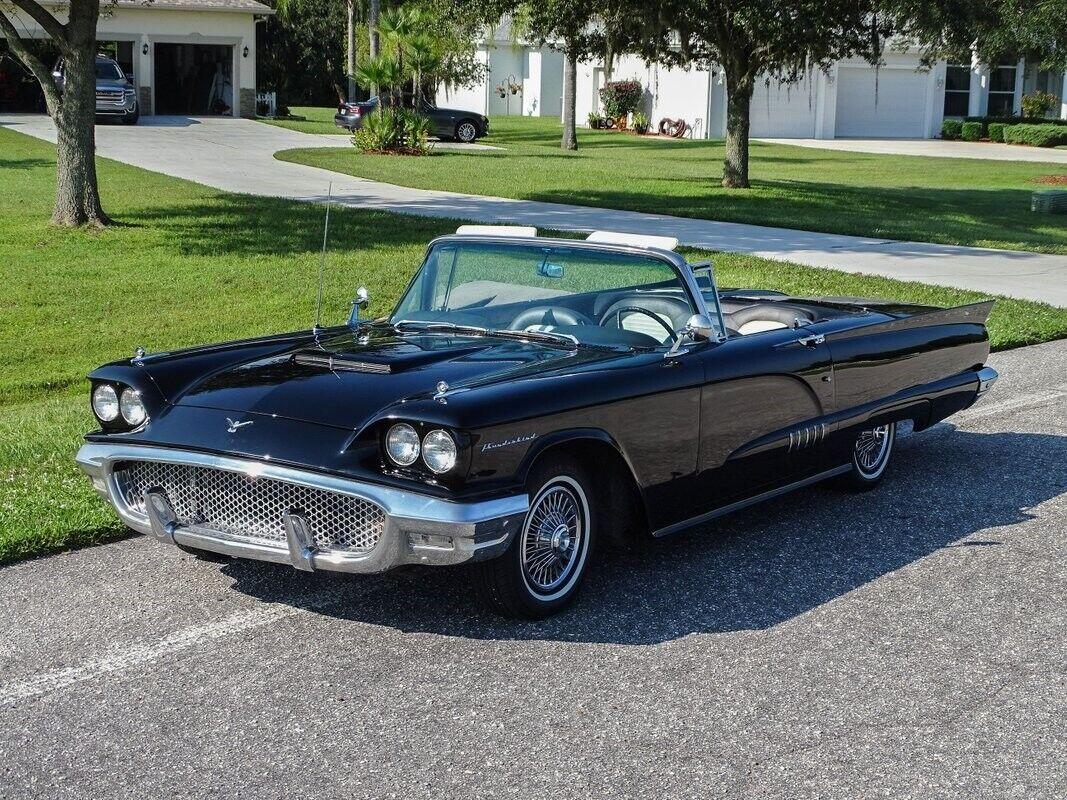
x=445, y=123
x=528, y=399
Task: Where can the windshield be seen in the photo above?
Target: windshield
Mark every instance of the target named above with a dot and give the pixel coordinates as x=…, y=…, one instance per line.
x=108, y=71
x=589, y=296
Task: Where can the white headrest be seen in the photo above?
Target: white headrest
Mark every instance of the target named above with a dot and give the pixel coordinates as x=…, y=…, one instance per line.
x=633, y=239
x=520, y=231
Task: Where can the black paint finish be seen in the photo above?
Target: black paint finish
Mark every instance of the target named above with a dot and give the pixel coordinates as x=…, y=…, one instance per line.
x=716, y=423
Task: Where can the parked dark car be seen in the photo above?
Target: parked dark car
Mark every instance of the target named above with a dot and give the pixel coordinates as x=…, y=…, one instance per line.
x=116, y=96
x=526, y=398
x=447, y=123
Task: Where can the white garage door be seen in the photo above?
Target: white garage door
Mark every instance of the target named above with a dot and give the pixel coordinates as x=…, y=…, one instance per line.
x=889, y=103
x=786, y=110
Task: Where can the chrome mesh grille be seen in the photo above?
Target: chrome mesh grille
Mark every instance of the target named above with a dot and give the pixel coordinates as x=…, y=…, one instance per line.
x=251, y=508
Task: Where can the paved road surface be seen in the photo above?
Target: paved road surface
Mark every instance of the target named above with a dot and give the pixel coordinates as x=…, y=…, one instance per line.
x=237, y=155
x=908, y=642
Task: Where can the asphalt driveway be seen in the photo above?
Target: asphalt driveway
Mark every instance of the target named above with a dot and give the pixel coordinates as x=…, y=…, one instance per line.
x=908, y=642
x=237, y=155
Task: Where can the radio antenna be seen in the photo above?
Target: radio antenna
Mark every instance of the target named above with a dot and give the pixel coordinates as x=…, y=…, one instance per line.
x=322, y=261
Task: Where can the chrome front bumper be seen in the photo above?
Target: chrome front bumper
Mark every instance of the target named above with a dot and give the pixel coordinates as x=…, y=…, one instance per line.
x=418, y=529
x=987, y=376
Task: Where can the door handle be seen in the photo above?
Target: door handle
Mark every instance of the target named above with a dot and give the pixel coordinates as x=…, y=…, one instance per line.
x=812, y=341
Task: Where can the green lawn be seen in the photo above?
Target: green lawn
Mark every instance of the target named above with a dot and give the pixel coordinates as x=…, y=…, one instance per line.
x=946, y=200
x=315, y=120
x=189, y=265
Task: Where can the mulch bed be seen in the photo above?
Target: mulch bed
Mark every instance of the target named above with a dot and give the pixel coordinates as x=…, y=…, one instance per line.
x=1051, y=180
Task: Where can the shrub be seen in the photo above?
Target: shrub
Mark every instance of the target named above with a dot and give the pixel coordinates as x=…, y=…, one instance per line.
x=995, y=131
x=398, y=131
x=1038, y=104
x=971, y=131
x=951, y=129
x=641, y=122
x=620, y=98
x=1036, y=135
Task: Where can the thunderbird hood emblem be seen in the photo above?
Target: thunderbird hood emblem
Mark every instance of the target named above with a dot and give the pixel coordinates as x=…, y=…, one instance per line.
x=235, y=425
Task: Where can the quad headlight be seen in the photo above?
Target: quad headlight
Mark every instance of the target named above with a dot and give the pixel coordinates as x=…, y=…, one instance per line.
x=439, y=451
x=132, y=408
x=106, y=402
x=437, y=448
x=402, y=444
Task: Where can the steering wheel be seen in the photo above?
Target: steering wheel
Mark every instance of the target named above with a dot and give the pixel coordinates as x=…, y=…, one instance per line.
x=548, y=315
x=618, y=312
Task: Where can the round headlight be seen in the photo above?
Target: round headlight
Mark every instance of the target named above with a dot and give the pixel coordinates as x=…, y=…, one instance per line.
x=105, y=402
x=402, y=444
x=133, y=410
x=439, y=451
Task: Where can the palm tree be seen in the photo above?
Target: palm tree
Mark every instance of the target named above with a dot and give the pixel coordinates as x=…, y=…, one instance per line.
x=424, y=58
x=383, y=75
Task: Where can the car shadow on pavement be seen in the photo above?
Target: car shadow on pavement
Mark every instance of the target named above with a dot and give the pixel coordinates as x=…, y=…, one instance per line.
x=749, y=571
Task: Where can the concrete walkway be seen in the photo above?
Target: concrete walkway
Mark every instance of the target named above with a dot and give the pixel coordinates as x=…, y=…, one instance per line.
x=936, y=147
x=237, y=155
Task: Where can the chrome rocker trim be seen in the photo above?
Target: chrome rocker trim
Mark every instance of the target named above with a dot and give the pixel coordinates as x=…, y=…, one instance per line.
x=418, y=529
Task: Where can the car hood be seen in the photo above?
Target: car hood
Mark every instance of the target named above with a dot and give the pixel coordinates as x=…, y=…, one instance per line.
x=351, y=379
x=104, y=83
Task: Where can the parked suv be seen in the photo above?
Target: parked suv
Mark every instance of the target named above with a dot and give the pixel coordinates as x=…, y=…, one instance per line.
x=115, y=93
x=446, y=123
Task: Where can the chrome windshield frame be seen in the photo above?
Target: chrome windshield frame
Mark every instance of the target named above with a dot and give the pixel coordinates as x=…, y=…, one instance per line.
x=676, y=261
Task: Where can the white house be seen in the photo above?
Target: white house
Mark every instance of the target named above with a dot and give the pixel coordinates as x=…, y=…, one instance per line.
x=185, y=56
x=899, y=99
x=529, y=78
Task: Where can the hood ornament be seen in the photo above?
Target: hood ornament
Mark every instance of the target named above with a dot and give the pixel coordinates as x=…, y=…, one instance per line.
x=442, y=392
x=235, y=425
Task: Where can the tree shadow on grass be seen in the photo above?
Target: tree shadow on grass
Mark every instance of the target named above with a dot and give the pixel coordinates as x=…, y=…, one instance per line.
x=25, y=163
x=750, y=571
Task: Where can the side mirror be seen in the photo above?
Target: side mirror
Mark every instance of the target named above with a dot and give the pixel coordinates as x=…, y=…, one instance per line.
x=700, y=327
x=361, y=301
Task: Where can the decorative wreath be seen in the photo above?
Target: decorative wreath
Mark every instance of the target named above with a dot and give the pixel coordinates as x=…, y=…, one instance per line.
x=673, y=127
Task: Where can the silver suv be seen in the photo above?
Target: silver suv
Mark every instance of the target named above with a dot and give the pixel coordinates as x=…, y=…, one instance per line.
x=115, y=93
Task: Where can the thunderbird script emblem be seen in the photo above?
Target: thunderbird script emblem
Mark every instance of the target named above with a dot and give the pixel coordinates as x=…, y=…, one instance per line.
x=235, y=425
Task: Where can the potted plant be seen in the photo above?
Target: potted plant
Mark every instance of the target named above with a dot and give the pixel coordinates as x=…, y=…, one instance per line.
x=620, y=98
x=641, y=122
x=595, y=121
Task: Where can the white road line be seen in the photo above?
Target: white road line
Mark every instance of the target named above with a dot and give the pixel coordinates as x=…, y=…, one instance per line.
x=134, y=655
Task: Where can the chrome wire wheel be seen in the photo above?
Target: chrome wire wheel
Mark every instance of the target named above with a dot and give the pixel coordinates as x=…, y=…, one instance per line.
x=466, y=132
x=553, y=543
x=872, y=450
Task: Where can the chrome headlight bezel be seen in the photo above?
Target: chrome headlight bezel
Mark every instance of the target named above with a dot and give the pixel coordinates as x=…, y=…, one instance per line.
x=104, y=401
x=440, y=452
x=401, y=435
x=132, y=407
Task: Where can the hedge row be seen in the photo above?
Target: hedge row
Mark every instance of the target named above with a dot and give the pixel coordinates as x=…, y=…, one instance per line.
x=1047, y=134
x=1036, y=135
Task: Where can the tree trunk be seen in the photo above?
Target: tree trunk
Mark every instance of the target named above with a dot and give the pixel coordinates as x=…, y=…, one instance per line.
x=350, y=49
x=570, y=80
x=73, y=109
x=738, y=103
x=372, y=26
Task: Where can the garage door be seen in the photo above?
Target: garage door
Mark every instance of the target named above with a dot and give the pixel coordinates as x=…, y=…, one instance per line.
x=786, y=111
x=888, y=103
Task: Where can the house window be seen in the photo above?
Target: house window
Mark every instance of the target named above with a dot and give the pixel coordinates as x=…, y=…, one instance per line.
x=957, y=90
x=1002, y=91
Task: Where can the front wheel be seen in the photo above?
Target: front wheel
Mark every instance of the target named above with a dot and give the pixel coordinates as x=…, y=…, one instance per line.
x=870, y=456
x=466, y=131
x=542, y=569
x=132, y=118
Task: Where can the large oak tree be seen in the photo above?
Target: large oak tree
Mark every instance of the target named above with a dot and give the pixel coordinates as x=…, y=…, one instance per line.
x=73, y=107
x=754, y=40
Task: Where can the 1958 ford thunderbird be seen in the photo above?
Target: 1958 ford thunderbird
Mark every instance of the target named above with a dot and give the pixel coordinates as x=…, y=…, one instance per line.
x=528, y=399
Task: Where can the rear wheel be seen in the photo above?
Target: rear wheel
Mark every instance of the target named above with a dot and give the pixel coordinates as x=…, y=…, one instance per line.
x=870, y=456
x=542, y=570
x=466, y=131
